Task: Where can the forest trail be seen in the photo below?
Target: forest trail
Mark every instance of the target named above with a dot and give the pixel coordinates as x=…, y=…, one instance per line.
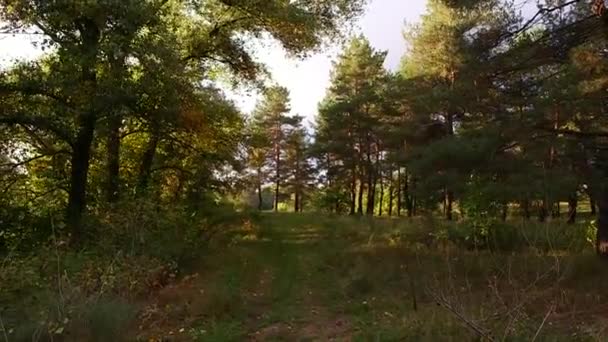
x=277, y=287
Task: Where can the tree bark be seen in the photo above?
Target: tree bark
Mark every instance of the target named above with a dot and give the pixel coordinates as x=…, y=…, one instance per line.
x=525, y=205
x=259, y=188
x=592, y=204
x=390, y=192
x=147, y=160
x=296, y=201
x=113, y=158
x=572, y=204
x=542, y=212
x=399, y=191
x=277, y=188
x=413, y=196
x=353, y=193
x=90, y=34
x=449, y=197
x=601, y=245
x=381, y=200
x=371, y=195
x=556, y=212
x=79, y=176
x=406, y=194
x=360, y=197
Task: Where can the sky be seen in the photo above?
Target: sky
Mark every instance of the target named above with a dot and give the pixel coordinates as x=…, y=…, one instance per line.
x=307, y=80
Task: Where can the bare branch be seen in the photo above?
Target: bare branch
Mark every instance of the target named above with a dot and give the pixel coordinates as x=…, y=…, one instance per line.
x=442, y=301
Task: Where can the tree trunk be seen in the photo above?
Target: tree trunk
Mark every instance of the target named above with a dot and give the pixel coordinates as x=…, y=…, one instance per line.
x=399, y=191
x=413, y=195
x=113, y=150
x=572, y=204
x=390, y=192
x=371, y=194
x=542, y=212
x=259, y=188
x=277, y=188
x=505, y=211
x=147, y=160
x=592, y=204
x=89, y=34
x=449, y=197
x=353, y=193
x=556, y=212
x=601, y=245
x=296, y=203
x=381, y=200
x=360, y=197
x=526, y=209
x=79, y=176
x=406, y=195
x=370, y=178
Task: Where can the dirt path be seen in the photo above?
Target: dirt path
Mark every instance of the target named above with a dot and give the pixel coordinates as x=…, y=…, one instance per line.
x=262, y=290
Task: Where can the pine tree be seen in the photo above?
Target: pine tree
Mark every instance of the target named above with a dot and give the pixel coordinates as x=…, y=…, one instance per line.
x=347, y=121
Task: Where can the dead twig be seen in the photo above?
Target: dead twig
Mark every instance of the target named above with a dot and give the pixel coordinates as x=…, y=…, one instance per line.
x=542, y=324
x=443, y=302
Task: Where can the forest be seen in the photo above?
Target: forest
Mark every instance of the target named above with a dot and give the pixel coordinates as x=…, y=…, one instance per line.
x=461, y=197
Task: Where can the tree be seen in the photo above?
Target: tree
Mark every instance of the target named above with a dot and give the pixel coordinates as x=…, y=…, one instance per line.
x=99, y=57
x=298, y=162
x=345, y=130
x=271, y=121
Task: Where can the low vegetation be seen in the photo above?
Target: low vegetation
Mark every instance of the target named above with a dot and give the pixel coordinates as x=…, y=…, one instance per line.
x=313, y=276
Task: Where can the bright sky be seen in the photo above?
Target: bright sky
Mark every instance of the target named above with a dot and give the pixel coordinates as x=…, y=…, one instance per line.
x=307, y=80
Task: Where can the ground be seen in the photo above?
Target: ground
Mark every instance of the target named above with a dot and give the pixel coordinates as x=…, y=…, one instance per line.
x=311, y=278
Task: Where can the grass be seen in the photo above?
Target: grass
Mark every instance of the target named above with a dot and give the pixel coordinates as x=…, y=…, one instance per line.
x=310, y=277
x=314, y=277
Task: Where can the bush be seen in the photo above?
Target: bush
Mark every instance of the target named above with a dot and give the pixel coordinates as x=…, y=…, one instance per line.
x=132, y=249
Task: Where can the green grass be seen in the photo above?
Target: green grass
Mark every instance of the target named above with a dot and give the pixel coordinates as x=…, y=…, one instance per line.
x=317, y=277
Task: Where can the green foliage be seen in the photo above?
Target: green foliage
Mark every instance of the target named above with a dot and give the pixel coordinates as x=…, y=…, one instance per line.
x=327, y=200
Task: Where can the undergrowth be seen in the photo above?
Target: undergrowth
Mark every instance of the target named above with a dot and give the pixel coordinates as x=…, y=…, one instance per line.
x=148, y=273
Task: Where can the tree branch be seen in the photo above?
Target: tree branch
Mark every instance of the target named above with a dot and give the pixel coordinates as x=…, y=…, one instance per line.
x=40, y=123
